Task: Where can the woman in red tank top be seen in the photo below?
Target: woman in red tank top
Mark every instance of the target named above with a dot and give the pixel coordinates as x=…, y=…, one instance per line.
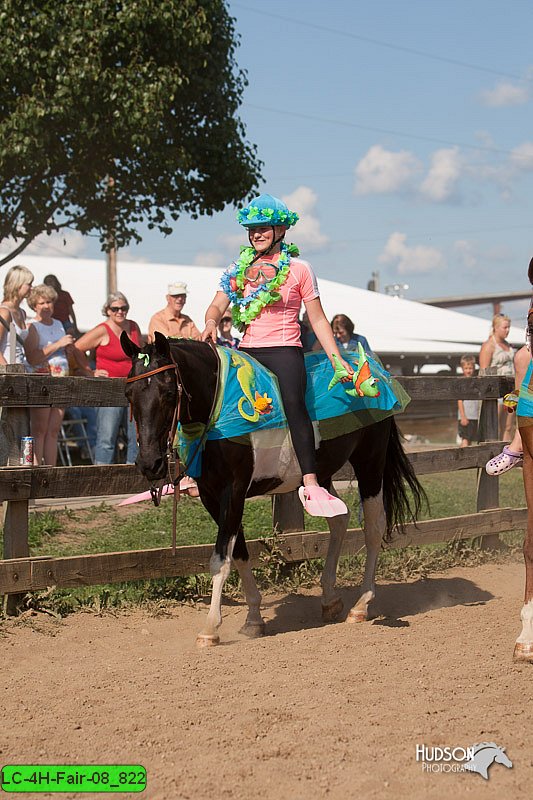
x=112, y=362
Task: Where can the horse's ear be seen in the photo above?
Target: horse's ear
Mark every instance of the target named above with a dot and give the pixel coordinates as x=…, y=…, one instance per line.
x=161, y=344
x=129, y=347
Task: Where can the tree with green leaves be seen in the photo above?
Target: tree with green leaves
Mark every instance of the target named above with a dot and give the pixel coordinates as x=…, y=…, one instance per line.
x=117, y=113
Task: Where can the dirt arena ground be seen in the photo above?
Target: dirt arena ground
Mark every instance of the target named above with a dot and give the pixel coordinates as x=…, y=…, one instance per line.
x=310, y=711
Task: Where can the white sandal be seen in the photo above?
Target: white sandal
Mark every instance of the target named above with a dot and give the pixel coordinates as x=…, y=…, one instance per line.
x=504, y=461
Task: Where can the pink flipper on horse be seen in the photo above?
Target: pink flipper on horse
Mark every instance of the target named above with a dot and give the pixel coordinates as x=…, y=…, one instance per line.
x=318, y=502
x=187, y=486
x=138, y=498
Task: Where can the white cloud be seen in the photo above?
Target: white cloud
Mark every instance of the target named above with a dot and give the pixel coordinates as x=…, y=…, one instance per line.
x=522, y=156
x=307, y=233
x=506, y=93
x=226, y=253
x=474, y=257
x=467, y=253
x=409, y=260
x=59, y=243
x=381, y=171
x=505, y=174
x=210, y=258
x=232, y=241
x=444, y=173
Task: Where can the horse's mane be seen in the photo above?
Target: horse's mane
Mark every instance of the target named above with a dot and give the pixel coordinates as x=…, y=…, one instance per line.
x=191, y=345
x=197, y=369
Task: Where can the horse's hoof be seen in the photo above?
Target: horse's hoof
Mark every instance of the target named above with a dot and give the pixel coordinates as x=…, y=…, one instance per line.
x=332, y=611
x=253, y=630
x=356, y=615
x=523, y=652
x=207, y=640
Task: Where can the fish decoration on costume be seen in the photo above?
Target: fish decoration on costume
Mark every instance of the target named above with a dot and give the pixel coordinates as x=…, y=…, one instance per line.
x=365, y=385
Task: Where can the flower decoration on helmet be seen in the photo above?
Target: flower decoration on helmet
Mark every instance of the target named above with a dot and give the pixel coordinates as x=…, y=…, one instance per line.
x=266, y=210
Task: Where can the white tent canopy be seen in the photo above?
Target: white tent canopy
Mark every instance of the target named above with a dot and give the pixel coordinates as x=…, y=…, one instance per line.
x=391, y=324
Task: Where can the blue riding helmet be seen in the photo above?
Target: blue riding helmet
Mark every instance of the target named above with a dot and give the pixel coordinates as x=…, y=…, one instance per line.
x=266, y=210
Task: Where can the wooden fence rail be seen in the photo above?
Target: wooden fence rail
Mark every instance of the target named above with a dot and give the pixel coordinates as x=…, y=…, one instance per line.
x=20, y=573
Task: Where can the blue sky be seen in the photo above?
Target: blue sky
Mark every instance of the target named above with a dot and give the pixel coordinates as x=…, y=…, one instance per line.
x=402, y=132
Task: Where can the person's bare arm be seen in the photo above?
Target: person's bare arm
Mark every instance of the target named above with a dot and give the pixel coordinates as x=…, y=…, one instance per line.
x=35, y=354
x=217, y=308
x=6, y=316
x=323, y=332
x=485, y=354
x=152, y=327
x=82, y=364
x=521, y=363
x=92, y=339
x=195, y=333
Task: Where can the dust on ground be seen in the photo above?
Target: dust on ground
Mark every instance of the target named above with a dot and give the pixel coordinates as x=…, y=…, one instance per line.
x=309, y=711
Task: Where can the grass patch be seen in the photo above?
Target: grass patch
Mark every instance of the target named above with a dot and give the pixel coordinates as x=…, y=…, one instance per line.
x=106, y=528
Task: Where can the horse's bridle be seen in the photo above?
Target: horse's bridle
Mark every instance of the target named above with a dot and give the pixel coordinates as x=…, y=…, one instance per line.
x=156, y=492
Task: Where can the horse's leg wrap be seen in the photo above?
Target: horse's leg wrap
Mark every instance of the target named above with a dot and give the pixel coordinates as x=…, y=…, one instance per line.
x=254, y=625
x=331, y=600
x=374, y=526
x=523, y=650
x=220, y=569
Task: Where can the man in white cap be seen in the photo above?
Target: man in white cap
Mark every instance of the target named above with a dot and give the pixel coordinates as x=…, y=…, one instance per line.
x=170, y=321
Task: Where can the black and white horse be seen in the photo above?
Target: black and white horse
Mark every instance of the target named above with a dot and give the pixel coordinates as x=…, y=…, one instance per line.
x=390, y=491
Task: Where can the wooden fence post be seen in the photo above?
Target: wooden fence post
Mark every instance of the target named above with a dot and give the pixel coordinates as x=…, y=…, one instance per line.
x=14, y=424
x=488, y=486
x=287, y=513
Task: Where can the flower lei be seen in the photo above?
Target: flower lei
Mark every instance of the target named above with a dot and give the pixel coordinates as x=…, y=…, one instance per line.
x=245, y=309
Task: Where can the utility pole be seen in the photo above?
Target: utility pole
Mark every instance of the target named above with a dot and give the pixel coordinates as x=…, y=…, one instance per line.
x=112, y=252
x=112, y=268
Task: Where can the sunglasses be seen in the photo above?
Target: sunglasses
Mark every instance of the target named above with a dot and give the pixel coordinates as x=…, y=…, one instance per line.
x=116, y=309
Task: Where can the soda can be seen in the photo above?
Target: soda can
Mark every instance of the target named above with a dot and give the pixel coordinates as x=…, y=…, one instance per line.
x=26, y=451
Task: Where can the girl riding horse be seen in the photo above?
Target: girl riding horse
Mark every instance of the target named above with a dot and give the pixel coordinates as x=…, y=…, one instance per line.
x=266, y=288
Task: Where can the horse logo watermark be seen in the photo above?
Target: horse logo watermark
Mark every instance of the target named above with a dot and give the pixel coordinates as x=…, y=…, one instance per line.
x=477, y=758
x=486, y=754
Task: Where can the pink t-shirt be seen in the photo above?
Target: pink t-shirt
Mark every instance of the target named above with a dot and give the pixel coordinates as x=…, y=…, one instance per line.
x=277, y=324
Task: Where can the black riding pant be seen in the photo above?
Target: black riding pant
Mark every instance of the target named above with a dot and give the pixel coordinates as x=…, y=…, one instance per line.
x=287, y=364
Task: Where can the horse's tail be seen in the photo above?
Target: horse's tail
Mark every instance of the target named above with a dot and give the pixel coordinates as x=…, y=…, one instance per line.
x=403, y=494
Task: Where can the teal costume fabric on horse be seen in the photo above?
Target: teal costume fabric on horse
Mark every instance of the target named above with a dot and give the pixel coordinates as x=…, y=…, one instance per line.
x=338, y=412
x=524, y=409
x=249, y=400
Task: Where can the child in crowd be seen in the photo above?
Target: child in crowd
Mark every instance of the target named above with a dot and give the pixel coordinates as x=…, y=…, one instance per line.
x=467, y=410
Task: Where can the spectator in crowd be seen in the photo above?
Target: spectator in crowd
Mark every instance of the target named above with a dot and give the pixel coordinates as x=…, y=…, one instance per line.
x=112, y=362
x=345, y=338
x=225, y=337
x=46, y=351
x=170, y=321
x=17, y=286
x=512, y=454
x=63, y=306
x=467, y=410
x=496, y=358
